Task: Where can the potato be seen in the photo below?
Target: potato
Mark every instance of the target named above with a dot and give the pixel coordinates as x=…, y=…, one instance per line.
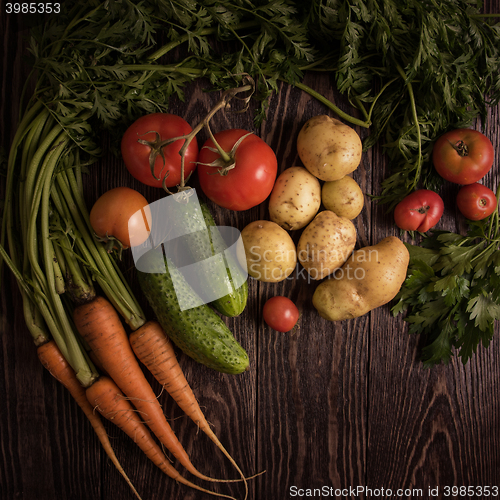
x=370, y=278
x=328, y=148
x=344, y=197
x=269, y=252
x=325, y=244
x=295, y=198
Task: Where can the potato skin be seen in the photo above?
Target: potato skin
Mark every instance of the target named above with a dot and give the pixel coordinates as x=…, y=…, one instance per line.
x=370, y=278
x=269, y=253
x=328, y=148
x=325, y=244
x=295, y=198
x=344, y=197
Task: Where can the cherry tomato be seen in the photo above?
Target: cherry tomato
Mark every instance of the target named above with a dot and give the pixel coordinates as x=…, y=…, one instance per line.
x=419, y=211
x=247, y=179
x=145, y=135
x=280, y=313
x=463, y=156
x=476, y=201
x=122, y=214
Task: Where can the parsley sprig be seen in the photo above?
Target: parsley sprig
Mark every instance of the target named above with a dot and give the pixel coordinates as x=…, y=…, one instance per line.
x=452, y=291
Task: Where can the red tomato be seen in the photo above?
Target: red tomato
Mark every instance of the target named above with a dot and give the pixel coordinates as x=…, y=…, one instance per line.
x=463, y=156
x=476, y=201
x=280, y=313
x=154, y=129
x=419, y=211
x=122, y=214
x=252, y=177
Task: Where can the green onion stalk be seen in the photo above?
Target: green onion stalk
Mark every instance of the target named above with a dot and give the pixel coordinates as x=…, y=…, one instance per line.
x=49, y=243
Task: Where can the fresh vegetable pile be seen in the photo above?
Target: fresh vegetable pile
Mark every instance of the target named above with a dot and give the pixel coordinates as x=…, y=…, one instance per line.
x=75, y=298
x=412, y=71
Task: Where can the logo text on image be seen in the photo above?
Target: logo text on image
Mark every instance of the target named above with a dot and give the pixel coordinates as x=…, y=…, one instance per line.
x=171, y=232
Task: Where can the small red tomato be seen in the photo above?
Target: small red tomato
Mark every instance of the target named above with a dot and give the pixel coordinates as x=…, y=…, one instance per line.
x=463, y=156
x=280, y=313
x=419, y=211
x=476, y=201
x=145, y=137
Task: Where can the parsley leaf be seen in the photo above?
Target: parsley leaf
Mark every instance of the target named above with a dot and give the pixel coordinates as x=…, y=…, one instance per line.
x=452, y=291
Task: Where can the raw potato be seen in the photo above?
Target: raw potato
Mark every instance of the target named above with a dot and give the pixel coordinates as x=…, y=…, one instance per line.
x=328, y=148
x=344, y=197
x=268, y=252
x=325, y=244
x=370, y=278
x=295, y=199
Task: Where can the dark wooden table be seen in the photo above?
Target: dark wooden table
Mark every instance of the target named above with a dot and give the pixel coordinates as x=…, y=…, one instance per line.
x=331, y=406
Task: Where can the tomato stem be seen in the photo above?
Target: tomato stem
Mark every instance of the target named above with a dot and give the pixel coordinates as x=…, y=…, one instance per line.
x=227, y=161
x=225, y=157
x=156, y=147
x=222, y=103
x=461, y=148
x=422, y=210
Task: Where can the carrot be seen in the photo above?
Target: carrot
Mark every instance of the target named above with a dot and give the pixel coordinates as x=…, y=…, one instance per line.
x=156, y=351
x=105, y=396
x=52, y=359
x=101, y=327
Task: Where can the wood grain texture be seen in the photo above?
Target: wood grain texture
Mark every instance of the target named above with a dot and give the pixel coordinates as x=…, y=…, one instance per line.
x=330, y=404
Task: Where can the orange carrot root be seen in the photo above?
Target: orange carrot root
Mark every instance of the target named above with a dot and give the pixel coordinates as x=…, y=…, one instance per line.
x=101, y=327
x=156, y=351
x=105, y=396
x=52, y=359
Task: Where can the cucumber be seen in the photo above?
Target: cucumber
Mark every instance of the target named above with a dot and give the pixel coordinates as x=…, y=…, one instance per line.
x=226, y=291
x=198, y=331
x=234, y=303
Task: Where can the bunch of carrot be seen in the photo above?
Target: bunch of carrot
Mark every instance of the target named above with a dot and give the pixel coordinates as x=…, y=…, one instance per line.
x=101, y=327
x=47, y=242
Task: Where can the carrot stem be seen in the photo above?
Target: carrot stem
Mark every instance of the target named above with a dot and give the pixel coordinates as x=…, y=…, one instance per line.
x=35, y=325
x=125, y=301
x=22, y=130
x=116, y=291
x=42, y=194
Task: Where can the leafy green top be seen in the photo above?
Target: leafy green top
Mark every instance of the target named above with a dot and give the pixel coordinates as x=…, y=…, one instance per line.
x=448, y=55
x=414, y=69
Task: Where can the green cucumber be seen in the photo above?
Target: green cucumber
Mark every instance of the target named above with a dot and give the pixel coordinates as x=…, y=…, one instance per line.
x=234, y=303
x=198, y=331
x=202, y=241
